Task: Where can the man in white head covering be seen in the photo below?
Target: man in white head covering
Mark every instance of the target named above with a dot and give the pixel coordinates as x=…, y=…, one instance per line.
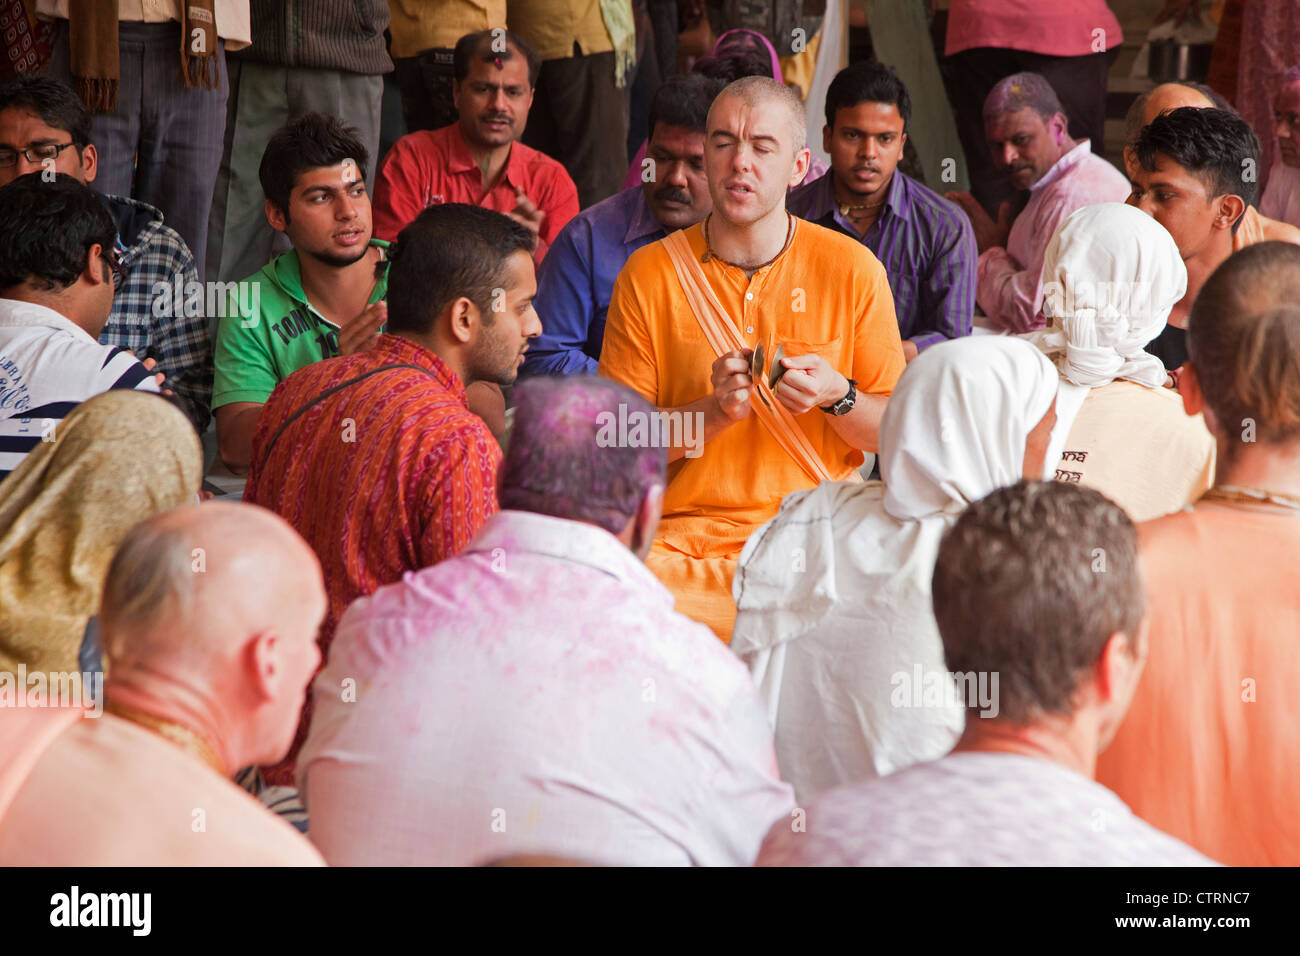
x=1111, y=275
x=834, y=592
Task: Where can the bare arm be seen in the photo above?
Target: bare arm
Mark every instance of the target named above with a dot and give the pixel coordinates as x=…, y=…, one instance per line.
x=236, y=423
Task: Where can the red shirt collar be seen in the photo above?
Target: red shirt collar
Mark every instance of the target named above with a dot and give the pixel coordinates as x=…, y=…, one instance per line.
x=459, y=159
x=397, y=349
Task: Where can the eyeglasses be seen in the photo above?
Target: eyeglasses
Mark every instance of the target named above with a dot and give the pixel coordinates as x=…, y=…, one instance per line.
x=34, y=154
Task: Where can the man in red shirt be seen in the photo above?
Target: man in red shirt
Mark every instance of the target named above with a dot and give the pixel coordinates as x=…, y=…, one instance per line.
x=476, y=159
x=375, y=458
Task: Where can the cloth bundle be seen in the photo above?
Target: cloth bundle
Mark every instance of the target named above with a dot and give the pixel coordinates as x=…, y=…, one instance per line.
x=1111, y=276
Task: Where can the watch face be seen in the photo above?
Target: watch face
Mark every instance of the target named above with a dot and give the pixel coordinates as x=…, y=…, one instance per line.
x=845, y=404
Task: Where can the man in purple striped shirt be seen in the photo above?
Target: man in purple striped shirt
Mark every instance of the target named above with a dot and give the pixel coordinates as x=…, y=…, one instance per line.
x=924, y=241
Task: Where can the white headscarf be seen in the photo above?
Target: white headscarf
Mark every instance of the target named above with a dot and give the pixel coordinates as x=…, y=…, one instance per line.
x=833, y=593
x=955, y=427
x=1111, y=276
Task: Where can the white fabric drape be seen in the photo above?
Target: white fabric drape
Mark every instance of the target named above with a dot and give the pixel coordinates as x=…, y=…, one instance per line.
x=834, y=592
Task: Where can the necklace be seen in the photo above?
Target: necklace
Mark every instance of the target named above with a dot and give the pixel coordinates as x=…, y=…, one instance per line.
x=188, y=740
x=847, y=209
x=710, y=254
x=1251, y=496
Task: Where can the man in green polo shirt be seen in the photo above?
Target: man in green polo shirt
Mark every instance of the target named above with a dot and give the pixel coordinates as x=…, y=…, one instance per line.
x=324, y=298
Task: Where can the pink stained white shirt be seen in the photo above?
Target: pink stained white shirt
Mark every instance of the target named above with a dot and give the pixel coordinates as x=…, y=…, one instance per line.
x=1009, y=285
x=536, y=694
x=1051, y=27
x=975, y=809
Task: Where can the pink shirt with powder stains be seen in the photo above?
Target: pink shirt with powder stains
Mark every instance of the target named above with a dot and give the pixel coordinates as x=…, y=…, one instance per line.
x=536, y=694
x=1009, y=285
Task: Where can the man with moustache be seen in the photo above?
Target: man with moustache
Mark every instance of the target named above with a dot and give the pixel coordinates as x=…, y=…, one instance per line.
x=687, y=315
x=476, y=159
x=1027, y=134
x=924, y=242
x=376, y=457
x=576, y=282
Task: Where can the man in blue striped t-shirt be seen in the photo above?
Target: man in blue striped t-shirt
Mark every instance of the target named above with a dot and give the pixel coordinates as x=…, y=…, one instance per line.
x=57, y=275
x=925, y=242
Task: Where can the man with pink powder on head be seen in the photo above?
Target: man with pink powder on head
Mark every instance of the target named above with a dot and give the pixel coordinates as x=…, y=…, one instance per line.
x=1027, y=134
x=537, y=694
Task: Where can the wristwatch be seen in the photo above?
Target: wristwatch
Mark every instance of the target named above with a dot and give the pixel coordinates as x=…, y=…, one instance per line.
x=845, y=404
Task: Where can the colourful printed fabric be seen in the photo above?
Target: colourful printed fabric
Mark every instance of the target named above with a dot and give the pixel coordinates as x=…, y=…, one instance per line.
x=431, y=167
x=27, y=40
x=389, y=474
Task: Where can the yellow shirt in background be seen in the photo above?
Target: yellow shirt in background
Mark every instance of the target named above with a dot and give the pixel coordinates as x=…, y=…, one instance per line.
x=418, y=25
x=825, y=294
x=553, y=26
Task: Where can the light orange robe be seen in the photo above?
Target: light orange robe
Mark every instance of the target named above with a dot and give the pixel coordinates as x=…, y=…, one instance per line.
x=1207, y=751
x=87, y=791
x=825, y=294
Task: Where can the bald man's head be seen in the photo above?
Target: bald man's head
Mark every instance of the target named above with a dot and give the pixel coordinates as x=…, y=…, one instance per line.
x=1166, y=97
x=222, y=599
x=754, y=149
x=763, y=92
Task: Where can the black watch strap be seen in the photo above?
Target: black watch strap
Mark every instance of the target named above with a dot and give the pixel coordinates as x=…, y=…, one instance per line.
x=845, y=404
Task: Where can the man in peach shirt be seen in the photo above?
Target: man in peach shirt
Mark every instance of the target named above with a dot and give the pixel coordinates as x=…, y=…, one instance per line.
x=208, y=623
x=1208, y=752
x=772, y=280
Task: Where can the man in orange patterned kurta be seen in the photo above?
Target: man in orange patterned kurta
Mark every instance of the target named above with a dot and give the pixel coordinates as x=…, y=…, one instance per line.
x=375, y=457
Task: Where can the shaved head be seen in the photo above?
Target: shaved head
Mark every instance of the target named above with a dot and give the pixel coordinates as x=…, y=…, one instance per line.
x=1166, y=97
x=217, y=603
x=757, y=92
x=205, y=571
x=1171, y=96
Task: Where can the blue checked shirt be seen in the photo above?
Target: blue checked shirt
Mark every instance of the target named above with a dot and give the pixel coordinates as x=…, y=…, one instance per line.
x=926, y=245
x=145, y=318
x=576, y=282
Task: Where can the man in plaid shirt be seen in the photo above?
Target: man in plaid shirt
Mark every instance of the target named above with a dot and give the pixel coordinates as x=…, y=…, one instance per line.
x=44, y=126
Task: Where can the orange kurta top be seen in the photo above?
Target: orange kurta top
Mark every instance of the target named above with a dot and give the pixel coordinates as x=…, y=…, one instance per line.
x=825, y=294
x=1207, y=750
